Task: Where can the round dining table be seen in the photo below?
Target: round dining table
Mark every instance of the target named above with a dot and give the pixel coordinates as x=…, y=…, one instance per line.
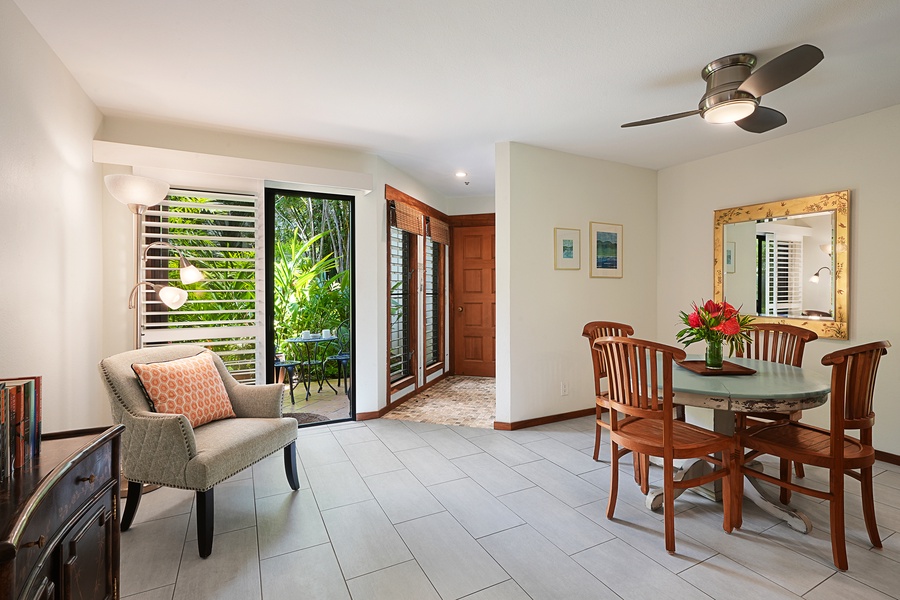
x=773, y=388
x=310, y=362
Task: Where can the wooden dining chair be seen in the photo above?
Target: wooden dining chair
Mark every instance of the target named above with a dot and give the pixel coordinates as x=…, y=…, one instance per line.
x=592, y=331
x=640, y=387
x=853, y=373
x=775, y=342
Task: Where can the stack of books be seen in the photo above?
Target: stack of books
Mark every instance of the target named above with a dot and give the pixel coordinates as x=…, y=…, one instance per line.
x=20, y=423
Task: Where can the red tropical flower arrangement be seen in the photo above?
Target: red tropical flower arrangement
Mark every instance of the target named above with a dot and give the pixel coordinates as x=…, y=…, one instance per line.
x=715, y=323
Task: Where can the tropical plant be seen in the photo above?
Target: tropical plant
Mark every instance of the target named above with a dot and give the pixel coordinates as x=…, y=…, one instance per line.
x=715, y=323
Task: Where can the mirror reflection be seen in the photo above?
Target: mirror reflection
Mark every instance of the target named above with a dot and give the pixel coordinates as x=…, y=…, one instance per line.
x=786, y=261
x=781, y=267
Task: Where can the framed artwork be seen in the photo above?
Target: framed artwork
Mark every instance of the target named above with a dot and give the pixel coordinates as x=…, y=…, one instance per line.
x=729, y=257
x=606, y=250
x=567, y=248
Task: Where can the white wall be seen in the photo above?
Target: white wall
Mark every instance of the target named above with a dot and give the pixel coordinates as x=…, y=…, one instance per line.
x=51, y=317
x=859, y=154
x=543, y=310
x=474, y=205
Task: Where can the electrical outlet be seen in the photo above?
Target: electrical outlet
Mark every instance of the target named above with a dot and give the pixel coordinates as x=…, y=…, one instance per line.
x=563, y=388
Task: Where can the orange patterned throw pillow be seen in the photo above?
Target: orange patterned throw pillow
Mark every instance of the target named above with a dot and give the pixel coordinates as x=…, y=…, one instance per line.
x=188, y=386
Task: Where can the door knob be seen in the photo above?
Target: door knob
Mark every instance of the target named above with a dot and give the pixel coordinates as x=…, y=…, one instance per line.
x=459, y=309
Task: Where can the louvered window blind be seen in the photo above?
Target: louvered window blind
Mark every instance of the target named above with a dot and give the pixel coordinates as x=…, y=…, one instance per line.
x=783, y=291
x=219, y=234
x=432, y=315
x=401, y=292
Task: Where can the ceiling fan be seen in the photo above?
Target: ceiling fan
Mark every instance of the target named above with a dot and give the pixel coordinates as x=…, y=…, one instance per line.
x=733, y=92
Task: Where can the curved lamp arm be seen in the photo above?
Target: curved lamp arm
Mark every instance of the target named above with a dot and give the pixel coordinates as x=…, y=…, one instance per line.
x=172, y=297
x=189, y=273
x=815, y=277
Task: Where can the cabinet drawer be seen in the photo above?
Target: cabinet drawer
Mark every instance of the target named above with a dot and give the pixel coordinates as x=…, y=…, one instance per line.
x=57, y=509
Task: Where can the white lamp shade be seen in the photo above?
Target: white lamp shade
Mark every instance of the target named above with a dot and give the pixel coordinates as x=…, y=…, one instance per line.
x=814, y=278
x=133, y=190
x=190, y=274
x=172, y=297
x=731, y=111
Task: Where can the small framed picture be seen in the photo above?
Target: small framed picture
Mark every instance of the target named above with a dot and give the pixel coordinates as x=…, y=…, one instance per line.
x=567, y=248
x=606, y=250
x=729, y=257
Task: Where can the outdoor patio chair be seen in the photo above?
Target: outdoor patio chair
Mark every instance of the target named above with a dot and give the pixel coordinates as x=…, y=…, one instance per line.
x=340, y=353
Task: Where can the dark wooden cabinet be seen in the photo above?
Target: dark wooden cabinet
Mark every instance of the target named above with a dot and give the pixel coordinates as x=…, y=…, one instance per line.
x=59, y=522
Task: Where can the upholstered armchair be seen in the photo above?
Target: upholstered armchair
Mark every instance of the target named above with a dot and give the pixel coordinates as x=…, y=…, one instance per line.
x=161, y=446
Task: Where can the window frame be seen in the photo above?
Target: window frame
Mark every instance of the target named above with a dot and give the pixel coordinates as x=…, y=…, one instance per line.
x=416, y=218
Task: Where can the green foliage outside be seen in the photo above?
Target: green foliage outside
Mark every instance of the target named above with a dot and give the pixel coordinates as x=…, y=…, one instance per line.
x=311, y=269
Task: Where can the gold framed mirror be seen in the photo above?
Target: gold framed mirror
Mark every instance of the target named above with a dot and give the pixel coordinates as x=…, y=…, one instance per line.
x=787, y=261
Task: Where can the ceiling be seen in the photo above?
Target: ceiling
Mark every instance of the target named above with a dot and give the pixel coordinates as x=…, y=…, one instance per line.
x=432, y=85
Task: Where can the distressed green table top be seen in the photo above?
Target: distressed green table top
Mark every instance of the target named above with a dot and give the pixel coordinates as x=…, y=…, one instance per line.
x=773, y=388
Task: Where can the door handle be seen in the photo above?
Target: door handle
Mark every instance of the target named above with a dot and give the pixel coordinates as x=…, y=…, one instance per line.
x=459, y=309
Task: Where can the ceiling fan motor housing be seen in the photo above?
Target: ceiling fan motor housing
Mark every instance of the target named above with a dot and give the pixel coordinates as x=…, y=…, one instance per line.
x=723, y=76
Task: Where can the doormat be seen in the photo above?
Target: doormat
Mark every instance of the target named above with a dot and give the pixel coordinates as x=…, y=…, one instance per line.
x=305, y=417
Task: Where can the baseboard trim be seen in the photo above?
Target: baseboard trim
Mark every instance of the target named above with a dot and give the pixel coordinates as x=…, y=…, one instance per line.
x=887, y=457
x=391, y=406
x=544, y=420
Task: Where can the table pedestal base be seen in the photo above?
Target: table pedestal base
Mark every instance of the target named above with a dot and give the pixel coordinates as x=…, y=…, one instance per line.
x=795, y=519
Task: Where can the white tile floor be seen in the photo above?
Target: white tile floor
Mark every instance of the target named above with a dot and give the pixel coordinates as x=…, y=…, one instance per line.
x=400, y=510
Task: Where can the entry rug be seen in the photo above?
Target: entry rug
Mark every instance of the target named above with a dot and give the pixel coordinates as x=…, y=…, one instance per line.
x=456, y=400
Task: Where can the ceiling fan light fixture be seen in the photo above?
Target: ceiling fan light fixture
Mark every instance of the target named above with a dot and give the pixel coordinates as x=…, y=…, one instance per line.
x=730, y=111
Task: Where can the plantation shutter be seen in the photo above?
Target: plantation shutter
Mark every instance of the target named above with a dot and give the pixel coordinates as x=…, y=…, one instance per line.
x=783, y=288
x=219, y=234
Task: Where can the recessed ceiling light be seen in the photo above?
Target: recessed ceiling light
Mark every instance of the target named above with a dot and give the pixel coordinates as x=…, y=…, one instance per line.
x=460, y=173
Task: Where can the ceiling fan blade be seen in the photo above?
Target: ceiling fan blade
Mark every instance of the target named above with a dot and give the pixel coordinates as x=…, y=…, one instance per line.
x=762, y=120
x=662, y=119
x=782, y=70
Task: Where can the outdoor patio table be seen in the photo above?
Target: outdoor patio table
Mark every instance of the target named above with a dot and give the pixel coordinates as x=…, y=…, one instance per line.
x=774, y=388
x=310, y=363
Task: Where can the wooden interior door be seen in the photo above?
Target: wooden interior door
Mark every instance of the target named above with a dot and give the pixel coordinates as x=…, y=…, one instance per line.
x=473, y=295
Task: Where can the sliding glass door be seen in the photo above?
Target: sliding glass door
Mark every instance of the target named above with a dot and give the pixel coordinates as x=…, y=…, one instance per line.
x=309, y=300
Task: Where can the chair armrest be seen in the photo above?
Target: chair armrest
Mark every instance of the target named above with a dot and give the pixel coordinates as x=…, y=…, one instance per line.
x=156, y=447
x=256, y=401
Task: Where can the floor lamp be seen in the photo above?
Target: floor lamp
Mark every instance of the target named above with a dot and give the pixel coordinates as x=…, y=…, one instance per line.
x=139, y=194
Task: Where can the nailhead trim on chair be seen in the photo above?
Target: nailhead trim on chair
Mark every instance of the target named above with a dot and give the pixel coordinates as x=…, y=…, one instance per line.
x=179, y=487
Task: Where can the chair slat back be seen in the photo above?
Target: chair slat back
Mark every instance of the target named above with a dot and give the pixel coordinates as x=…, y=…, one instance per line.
x=596, y=329
x=853, y=384
x=779, y=343
x=640, y=376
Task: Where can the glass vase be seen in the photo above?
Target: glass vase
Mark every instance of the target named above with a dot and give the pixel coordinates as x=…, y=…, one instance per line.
x=714, y=355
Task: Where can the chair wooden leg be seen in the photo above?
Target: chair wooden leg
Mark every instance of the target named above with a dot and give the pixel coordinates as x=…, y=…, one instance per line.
x=669, y=504
x=868, y=506
x=728, y=492
x=737, y=489
x=637, y=470
x=135, y=491
x=290, y=465
x=645, y=474
x=205, y=522
x=613, y=480
x=785, y=495
x=799, y=471
x=600, y=410
x=838, y=541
